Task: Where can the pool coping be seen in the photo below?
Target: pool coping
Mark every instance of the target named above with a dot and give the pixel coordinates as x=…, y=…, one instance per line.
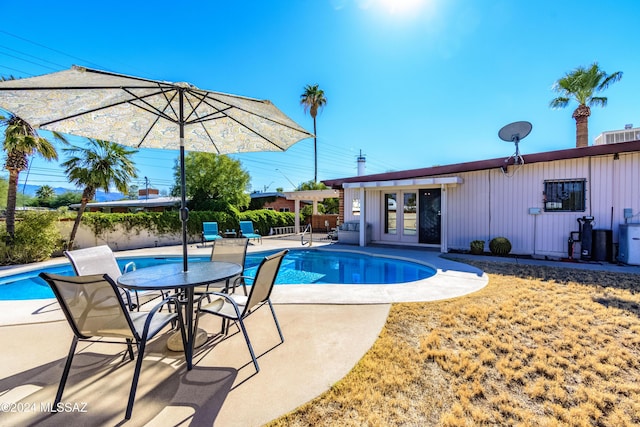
x=452, y=279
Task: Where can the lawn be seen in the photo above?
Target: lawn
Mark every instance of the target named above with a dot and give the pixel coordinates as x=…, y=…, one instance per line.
x=538, y=346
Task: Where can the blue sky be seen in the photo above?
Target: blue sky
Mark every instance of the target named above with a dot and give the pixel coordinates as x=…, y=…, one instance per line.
x=410, y=83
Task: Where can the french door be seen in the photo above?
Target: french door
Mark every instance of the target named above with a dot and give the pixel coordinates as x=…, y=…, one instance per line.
x=429, y=216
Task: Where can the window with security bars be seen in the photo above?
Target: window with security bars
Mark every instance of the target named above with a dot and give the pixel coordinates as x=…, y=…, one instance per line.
x=564, y=195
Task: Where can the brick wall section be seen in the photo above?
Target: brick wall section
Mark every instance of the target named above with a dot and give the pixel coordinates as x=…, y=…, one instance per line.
x=341, y=206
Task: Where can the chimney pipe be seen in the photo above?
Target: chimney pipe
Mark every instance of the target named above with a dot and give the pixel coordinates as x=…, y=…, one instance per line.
x=361, y=164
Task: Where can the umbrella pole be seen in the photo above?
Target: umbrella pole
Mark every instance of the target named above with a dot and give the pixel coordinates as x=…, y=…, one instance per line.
x=184, y=212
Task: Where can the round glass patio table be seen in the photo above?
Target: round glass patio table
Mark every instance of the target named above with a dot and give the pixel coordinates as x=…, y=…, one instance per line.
x=171, y=276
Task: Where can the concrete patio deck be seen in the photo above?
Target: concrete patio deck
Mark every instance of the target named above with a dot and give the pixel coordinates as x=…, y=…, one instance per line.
x=327, y=329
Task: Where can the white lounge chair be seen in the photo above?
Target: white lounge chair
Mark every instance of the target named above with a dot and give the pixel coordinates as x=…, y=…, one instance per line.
x=101, y=260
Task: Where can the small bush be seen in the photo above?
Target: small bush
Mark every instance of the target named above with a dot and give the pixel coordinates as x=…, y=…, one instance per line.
x=477, y=247
x=36, y=238
x=500, y=246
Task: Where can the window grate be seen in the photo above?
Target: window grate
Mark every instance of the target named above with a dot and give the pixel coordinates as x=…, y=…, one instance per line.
x=564, y=195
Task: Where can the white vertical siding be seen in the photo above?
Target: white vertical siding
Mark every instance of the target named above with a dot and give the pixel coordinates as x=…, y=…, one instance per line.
x=372, y=205
x=349, y=195
x=491, y=203
x=468, y=210
x=555, y=227
x=374, y=212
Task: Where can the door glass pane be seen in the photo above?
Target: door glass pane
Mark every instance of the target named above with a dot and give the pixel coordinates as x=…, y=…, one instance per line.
x=409, y=214
x=390, y=213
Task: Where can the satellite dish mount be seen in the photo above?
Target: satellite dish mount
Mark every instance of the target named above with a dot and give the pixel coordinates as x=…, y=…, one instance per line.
x=515, y=132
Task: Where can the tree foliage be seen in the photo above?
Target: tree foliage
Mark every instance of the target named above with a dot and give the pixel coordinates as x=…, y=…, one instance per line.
x=36, y=238
x=212, y=179
x=21, y=141
x=98, y=165
x=329, y=206
x=311, y=185
x=581, y=85
x=65, y=199
x=21, y=199
x=312, y=100
x=45, y=195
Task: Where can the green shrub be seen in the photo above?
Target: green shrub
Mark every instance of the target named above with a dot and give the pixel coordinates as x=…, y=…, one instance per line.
x=169, y=222
x=477, y=247
x=36, y=238
x=500, y=246
x=264, y=219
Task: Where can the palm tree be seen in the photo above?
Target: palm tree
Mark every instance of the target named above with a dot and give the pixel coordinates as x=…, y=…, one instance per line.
x=98, y=166
x=312, y=99
x=22, y=141
x=581, y=84
x=44, y=194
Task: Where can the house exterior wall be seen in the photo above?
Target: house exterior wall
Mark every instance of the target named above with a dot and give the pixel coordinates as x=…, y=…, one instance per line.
x=490, y=203
x=281, y=203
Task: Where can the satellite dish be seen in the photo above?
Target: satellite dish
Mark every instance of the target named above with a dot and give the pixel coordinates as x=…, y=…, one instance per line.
x=515, y=132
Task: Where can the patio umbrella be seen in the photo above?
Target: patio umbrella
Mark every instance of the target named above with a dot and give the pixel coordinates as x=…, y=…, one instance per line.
x=147, y=113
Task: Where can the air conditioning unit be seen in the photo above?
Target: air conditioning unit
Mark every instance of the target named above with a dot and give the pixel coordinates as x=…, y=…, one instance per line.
x=616, y=136
x=629, y=244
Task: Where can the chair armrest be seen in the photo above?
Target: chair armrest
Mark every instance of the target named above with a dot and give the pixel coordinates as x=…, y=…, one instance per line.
x=240, y=278
x=222, y=295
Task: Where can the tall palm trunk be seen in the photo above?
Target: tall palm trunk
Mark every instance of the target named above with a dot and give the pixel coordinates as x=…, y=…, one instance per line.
x=87, y=195
x=12, y=197
x=315, y=152
x=581, y=115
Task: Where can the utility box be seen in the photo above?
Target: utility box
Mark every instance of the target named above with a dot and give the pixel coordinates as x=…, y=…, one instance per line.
x=629, y=244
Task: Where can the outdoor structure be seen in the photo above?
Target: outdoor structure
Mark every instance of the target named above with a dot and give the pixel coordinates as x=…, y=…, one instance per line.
x=629, y=133
x=273, y=201
x=535, y=203
x=148, y=200
x=313, y=196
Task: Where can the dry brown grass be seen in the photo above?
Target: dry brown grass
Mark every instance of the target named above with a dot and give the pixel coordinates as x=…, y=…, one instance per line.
x=537, y=347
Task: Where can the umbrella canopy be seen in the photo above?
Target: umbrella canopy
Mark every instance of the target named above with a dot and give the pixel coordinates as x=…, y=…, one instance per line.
x=147, y=113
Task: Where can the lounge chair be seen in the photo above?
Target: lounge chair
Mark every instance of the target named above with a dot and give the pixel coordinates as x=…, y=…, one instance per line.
x=210, y=232
x=95, y=309
x=236, y=308
x=100, y=260
x=228, y=250
x=247, y=230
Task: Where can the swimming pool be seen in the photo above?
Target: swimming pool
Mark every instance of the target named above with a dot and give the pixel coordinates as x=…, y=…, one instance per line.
x=298, y=267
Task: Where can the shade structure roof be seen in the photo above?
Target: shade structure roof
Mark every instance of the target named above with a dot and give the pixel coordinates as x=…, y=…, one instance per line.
x=147, y=113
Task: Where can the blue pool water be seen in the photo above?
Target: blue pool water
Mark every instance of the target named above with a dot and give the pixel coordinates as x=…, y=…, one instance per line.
x=298, y=267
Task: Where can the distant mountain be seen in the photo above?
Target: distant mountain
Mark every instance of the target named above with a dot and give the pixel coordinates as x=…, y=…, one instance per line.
x=101, y=196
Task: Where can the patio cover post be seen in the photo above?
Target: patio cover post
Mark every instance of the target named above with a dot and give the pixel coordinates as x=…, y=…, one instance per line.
x=363, y=218
x=297, y=220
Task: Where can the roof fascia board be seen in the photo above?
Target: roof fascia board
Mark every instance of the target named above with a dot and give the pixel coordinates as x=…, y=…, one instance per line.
x=418, y=182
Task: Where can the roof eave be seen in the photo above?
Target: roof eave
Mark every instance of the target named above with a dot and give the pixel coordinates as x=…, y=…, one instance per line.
x=571, y=153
